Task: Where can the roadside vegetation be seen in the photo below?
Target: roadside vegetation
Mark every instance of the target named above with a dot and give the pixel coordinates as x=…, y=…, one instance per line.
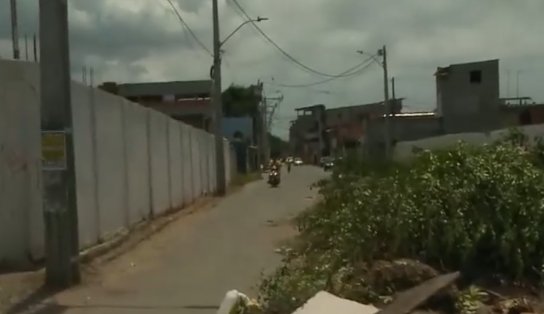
x=381, y=229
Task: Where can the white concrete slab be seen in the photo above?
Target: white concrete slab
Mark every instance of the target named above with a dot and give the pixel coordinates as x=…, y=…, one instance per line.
x=326, y=303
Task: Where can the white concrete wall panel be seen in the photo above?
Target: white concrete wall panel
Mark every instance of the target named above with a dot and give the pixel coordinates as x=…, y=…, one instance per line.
x=176, y=176
x=124, y=155
x=203, y=160
x=83, y=109
x=111, y=163
x=406, y=150
x=203, y=175
x=159, y=162
x=137, y=145
x=20, y=163
x=186, y=159
x=197, y=180
x=213, y=176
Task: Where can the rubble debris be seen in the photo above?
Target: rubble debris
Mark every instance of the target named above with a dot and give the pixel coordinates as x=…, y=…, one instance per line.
x=409, y=300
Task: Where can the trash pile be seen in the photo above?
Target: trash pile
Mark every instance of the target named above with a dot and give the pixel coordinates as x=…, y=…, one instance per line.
x=414, y=300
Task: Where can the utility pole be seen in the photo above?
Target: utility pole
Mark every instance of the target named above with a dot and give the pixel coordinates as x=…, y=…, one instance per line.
x=59, y=185
x=517, y=83
x=507, y=83
x=218, y=104
x=84, y=75
x=267, y=122
x=14, y=30
x=393, y=87
x=264, y=133
x=387, y=105
x=35, y=48
x=393, y=95
x=261, y=124
x=26, y=47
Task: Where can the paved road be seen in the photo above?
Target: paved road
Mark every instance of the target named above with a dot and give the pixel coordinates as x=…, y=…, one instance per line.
x=188, y=267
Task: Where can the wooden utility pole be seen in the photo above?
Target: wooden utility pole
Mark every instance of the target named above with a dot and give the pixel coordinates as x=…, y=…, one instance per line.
x=26, y=47
x=394, y=97
x=217, y=104
x=393, y=88
x=517, y=83
x=387, y=105
x=14, y=29
x=35, y=48
x=59, y=184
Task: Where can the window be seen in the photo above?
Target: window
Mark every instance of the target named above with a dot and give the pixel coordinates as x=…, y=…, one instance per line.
x=476, y=76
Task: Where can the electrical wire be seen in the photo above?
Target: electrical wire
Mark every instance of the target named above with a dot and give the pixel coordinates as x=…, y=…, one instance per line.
x=351, y=72
x=188, y=28
x=281, y=50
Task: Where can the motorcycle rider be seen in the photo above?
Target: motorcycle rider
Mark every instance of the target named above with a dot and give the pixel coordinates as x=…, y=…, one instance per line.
x=289, y=165
x=275, y=166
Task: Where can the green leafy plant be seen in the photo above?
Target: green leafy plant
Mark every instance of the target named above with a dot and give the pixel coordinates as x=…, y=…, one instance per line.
x=470, y=300
x=478, y=209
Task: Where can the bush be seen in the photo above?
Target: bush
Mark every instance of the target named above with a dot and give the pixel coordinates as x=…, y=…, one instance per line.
x=474, y=209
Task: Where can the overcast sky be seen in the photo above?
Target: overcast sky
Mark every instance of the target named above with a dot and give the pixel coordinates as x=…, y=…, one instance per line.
x=142, y=40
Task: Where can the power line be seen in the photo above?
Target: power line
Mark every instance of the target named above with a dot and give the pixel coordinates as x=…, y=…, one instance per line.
x=351, y=72
x=281, y=50
x=189, y=28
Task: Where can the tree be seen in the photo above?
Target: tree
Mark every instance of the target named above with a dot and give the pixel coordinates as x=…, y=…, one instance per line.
x=240, y=101
x=278, y=147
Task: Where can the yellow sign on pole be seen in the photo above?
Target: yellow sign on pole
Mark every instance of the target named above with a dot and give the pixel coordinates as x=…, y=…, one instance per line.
x=54, y=150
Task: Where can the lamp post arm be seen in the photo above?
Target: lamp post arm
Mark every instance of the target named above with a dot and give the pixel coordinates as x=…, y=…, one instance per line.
x=234, y=31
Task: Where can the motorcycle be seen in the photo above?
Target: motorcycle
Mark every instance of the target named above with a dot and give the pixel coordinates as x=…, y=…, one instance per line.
x=274, y=177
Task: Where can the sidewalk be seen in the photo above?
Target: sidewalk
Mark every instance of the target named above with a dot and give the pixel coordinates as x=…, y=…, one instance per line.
x=188, y=267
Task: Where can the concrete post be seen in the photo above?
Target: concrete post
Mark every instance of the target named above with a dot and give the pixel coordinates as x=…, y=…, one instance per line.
x=60, y=204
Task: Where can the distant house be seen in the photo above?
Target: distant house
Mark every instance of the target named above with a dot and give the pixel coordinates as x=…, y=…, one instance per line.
x=467, y=101
x=187, y=101
x=521, y=111
x=468, y=96
x=347, y=125
x=307, y=134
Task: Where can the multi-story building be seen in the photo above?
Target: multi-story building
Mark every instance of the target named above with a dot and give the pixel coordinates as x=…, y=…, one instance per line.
x=307, y=135
x=468, y=96
x=467, y=101
x=346, y=126
x=187, y=101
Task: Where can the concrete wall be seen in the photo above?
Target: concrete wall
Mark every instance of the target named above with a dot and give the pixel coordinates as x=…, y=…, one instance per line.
x=403, y=128
x=469, y=106
x=406, y=150
x=131, y=163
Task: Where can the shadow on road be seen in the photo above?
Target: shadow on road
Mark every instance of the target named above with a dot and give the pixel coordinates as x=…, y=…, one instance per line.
x=54, y=308
x=36, y=297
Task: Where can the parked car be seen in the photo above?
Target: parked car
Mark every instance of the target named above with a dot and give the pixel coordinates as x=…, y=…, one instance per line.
x=327, y=163
x=298, y=161
x=322, y=161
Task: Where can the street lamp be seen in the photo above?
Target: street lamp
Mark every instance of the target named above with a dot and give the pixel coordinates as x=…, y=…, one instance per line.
x=387, y=137
x=258, y=19
x=216, y=93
